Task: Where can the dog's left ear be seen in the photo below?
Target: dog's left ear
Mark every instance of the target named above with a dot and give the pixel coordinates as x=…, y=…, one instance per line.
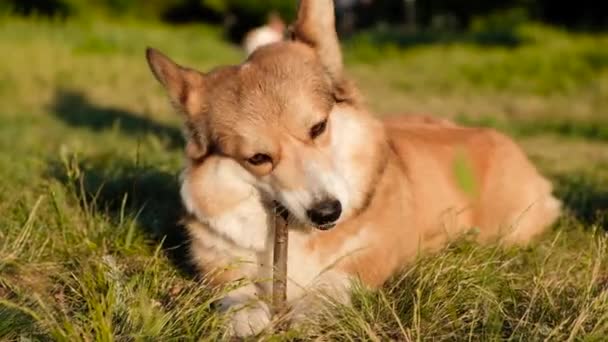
x=316, y=26
x=186, y=87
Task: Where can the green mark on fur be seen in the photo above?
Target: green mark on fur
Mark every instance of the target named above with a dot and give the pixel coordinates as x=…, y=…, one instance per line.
x=464, y=174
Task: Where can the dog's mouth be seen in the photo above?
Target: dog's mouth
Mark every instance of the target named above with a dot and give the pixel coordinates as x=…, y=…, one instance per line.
x=281, y=211
x=284, y=213
x=326, y=226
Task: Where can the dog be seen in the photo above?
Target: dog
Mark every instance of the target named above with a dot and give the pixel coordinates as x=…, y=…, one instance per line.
x=272, y=32
x=364, y=197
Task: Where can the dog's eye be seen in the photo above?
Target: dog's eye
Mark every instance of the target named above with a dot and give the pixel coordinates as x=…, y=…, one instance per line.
x=338, y=98
x=318, y=129
x=259, y=159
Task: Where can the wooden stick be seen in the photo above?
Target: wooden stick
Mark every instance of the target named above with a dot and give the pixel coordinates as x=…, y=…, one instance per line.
x=279, y=276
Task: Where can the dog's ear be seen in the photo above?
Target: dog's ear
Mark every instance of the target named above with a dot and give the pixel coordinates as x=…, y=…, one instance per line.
x=195, y=150
x=316, y=26
x=197, y=145
x=186, y=87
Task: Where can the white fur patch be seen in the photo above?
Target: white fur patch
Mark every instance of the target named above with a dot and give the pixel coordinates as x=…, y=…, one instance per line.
x=260, y=37
x=246, y=221
x=249, y=321
x=327, y=180
x=332, y=287
x=297, y=201
x=248, y=315
x=308, y=271
x=348, y=139
x=246, y=224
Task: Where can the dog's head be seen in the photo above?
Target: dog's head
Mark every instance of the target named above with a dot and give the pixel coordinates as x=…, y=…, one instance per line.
x=273, y=114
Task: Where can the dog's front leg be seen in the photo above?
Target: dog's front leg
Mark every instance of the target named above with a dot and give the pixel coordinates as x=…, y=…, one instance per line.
x=329, y=289
x=235, y=269
x=248, y=314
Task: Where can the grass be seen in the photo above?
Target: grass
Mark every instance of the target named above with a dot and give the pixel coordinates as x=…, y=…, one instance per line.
x=90, y=152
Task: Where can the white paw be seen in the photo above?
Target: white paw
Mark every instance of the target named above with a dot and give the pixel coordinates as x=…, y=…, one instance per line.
x=249, y=321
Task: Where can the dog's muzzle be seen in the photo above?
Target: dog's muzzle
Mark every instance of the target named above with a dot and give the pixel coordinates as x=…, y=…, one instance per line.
x=323, y=216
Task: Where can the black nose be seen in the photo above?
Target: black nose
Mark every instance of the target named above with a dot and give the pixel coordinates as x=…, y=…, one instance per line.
x=325, y=212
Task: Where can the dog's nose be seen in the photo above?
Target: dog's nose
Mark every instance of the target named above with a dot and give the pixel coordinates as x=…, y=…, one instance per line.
x=325, y=212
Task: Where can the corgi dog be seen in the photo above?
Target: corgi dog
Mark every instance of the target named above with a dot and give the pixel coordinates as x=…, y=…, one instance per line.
x=364, y=196
x=271, y=32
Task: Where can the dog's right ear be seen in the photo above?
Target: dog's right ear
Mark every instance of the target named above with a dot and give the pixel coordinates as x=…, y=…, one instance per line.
x=186, y=87
x=316, y=27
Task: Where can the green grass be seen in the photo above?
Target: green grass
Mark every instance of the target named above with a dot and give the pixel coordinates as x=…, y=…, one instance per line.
x=90, y=152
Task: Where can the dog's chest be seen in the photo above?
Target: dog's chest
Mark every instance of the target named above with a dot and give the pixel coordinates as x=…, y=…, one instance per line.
x=311, y=266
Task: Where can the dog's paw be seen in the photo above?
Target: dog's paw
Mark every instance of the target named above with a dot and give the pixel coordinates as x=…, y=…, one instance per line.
x=249, y=320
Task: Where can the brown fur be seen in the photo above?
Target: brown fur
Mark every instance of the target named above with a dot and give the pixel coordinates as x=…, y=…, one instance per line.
x=405, y=195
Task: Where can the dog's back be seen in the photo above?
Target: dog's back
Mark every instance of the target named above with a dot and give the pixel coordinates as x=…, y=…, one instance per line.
x=472, y=177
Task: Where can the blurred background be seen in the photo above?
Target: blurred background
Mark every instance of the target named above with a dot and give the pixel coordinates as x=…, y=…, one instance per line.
x=238, y=16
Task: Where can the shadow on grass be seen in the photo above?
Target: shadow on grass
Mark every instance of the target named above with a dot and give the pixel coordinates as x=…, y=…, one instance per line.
x=14, y=322
x=585, y=198
x=75, y=109
x=152, y=198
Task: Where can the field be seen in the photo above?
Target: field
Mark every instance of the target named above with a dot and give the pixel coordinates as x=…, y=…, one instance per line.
x=90, y=152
